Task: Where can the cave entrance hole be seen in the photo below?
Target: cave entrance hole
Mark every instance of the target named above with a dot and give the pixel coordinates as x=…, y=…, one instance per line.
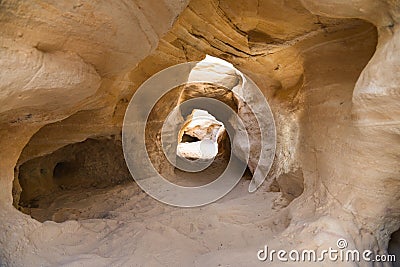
x=69, y=182
x=200, y=135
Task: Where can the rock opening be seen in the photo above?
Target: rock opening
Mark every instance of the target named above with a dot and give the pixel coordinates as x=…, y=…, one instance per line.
x=54, y=186
x=200, y=136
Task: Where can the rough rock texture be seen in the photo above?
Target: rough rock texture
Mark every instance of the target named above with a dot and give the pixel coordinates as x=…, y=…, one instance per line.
x=86, y=165
x=199, y=125
x=70, y=51
x=371, y=132
x=329, y=70
x=59, y=58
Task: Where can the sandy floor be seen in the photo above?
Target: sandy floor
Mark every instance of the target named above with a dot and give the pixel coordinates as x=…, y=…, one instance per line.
x=136, y=230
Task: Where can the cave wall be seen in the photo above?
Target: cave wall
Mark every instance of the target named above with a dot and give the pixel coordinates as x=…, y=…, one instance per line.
x=59, y=74
x=68, y=72
x=363, y=181
x=92, y=163
x=59, y=59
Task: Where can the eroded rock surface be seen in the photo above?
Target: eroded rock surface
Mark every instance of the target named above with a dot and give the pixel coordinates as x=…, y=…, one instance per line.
x=329, y=70
x=202, y=132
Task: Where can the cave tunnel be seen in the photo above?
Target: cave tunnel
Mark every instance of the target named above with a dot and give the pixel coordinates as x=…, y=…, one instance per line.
x=317, y=140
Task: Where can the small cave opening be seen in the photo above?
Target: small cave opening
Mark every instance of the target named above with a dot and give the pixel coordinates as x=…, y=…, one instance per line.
x=58, y=186
x=61, y=170
x=200, y=136
x=189, y=139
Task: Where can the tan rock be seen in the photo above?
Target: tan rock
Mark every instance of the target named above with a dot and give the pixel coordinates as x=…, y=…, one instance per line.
x=329, y=70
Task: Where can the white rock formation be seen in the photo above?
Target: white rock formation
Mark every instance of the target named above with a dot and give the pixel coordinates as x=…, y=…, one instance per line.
x=208, y=130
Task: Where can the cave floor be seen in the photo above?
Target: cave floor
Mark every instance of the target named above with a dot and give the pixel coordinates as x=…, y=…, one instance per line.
x=129, y=224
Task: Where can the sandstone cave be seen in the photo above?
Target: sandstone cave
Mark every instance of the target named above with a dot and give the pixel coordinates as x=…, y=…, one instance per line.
x=328, y=74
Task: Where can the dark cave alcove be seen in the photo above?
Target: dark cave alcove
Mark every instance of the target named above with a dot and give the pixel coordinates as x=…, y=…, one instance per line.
x=84, y=167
